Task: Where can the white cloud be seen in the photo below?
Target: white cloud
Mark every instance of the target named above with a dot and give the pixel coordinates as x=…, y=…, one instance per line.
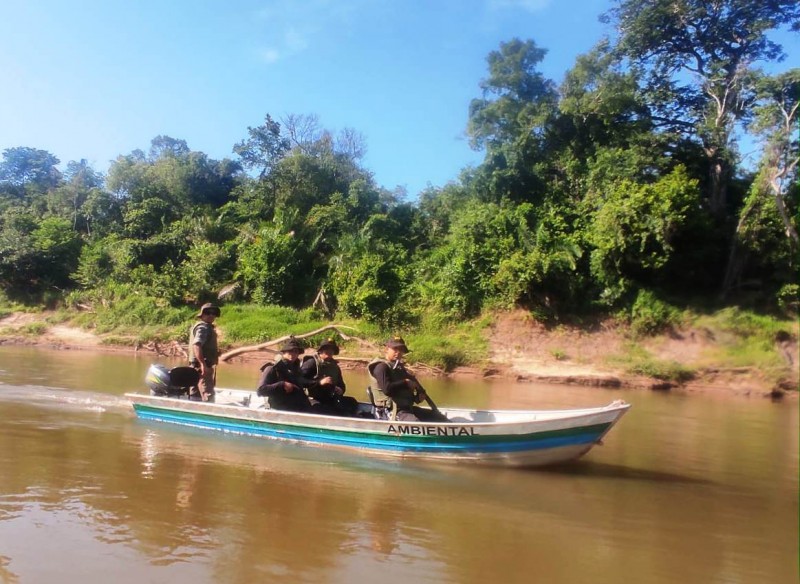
x=529, y=5
x=269, y=56
x=290, y=25
x=295, y=40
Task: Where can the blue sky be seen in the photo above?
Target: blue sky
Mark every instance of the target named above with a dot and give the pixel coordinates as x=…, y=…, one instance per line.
x=98, y=78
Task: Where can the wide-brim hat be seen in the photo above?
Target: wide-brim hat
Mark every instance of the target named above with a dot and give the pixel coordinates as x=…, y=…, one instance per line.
x=328, y=345
x=209, y=308
x=398, y=343
x=291, y=345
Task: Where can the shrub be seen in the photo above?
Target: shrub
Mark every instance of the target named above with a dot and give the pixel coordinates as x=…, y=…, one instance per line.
x=665, y=370
x=433, y=350
x=650, y=316
x=789, y=298
x=33, y=329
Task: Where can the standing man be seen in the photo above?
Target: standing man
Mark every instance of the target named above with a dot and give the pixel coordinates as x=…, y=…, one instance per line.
x=328, y=398
x=282, y=382
x=204, y=353
x=392, y=378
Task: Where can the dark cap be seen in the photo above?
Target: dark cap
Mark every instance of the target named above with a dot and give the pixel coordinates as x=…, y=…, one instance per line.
x=291, y=344
x=329, y=345
x=210, y=309
x=398, y=343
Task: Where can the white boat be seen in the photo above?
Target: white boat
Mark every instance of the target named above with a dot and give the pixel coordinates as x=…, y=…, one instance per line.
x=518, y=438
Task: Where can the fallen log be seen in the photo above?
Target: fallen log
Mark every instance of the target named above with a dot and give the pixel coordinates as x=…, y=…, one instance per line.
x=363, y=345
x=266, y=346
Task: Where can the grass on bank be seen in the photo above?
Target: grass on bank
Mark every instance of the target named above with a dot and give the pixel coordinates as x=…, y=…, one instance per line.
x=746, y=339
x=736, y=338
x=8, y=307
x=31, y=329
x=636, y=360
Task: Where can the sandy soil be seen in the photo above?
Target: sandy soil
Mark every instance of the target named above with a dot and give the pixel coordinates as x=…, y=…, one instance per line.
x=520, y=349
x=528, y=350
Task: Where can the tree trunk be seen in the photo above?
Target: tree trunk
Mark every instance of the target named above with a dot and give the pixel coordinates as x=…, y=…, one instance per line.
x=736, y=262
x=789, y=228
x=717, y=200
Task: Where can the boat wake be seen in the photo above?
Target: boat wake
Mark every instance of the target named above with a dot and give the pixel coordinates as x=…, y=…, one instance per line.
x=61, y=398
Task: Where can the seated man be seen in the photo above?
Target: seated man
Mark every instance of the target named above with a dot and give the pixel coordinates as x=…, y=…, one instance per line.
x=327, y=398
x=397, y=383
x=282, y=383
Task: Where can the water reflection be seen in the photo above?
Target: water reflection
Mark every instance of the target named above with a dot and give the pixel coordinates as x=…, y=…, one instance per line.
x=149, y=451
x=299, y=510
x=615, y=471
x=6, y=575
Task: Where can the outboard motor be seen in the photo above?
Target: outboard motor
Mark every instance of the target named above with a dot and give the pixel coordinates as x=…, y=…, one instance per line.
x=173, y=382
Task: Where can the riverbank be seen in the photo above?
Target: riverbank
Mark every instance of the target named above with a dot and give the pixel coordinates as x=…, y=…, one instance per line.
x=599, y=356
x=521, y=349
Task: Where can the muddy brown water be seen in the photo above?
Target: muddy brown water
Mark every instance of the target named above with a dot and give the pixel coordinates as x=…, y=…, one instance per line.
x=687, y=488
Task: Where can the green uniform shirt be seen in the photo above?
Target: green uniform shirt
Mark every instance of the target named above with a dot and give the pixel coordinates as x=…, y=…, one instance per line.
x=205, y=335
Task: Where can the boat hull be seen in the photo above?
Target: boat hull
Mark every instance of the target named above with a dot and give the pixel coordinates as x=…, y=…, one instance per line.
x=518, y=439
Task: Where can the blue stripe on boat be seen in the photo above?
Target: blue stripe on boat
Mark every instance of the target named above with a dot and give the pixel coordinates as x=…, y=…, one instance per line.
x=370, y=440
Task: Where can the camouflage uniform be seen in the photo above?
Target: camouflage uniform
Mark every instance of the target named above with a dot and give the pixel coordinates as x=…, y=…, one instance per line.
x=272, y=385
x=204, y=335
x=396, y=383
x=325, y=398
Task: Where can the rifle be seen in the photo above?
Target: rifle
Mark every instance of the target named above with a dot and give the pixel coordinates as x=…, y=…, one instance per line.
x=428, y=399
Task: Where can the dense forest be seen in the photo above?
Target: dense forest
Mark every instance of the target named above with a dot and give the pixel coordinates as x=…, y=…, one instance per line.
x=622, y=187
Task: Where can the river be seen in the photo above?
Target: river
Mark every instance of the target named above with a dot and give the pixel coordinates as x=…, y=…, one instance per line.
x=687, y=488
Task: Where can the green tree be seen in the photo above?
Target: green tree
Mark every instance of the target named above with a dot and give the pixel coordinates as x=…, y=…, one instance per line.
x=697, y=55
x=67, y=200
x=498, y=255
x=24, y=168
x=634, y=228
x=270, y=264
x=343, y=213
x=772, y=204
x=516, y=97
x=264, y=147
x=762, y=258
x=101, y=213
x=181, y=178
x=97, y=263
x=206, y=269
x=36, y=256
x=776, y=122
x=510, y=121
x=600, y=110
x=165, y=147
x=58, y=248
x=18, y=266
x=440, y=206
x=368, y=277
x=147, y=218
